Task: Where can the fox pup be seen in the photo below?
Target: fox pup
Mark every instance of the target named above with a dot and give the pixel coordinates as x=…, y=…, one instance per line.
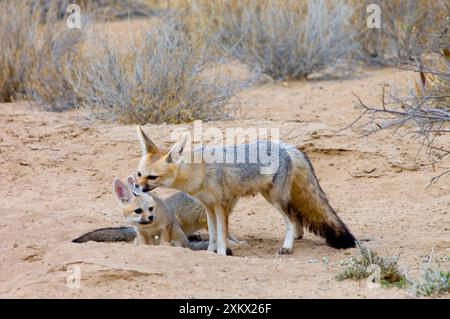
x=150, y=217
x=190, y=215
x=286, y=180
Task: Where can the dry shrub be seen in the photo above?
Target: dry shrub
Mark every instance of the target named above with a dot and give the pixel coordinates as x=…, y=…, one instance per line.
x=104, y=9
x=36, y=46
x=425, y=110
x=364, y=266
x=287, y=39
x=433, y=281
x=113, y=9
x=406, y=27
x=434, y=84
x=163, y=77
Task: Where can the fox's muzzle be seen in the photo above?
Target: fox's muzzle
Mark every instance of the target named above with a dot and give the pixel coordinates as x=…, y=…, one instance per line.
x=147, y=221
x=145, y=188
x=142, y=184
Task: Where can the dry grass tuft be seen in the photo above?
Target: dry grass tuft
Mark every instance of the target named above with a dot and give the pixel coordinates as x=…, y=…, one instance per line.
x=285, y=39
x=406, y=27
x=363, y=267
x=432, y=282
x=36, y=47
x=162, y=77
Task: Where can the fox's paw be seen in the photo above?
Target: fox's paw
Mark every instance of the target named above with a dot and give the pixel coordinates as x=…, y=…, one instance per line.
x=229, y=252
x=285, y=251
x=212, y=247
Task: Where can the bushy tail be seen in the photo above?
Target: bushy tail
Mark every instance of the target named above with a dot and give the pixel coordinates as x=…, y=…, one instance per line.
x=310, y=207
x=111, y=234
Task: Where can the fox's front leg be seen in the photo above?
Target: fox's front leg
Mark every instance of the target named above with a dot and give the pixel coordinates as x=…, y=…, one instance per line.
x=222, y=229
x=151, y=240
x=211, y=219
x=144, y=239
x=139, y=239
x=166, y=236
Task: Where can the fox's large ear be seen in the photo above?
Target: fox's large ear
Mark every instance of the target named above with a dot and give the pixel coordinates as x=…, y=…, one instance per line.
x=130, y=181
x=121, y=191
x=147, y=146
x=131, y=186
x=176, y=152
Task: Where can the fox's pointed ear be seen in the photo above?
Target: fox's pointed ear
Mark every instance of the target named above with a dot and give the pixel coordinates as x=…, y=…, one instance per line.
x=131, y=186
x=176, y=152
x=147, y=146
x=121, y=191
x=130, y=181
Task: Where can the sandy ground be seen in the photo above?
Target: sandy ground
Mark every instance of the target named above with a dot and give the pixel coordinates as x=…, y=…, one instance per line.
x=57, y=170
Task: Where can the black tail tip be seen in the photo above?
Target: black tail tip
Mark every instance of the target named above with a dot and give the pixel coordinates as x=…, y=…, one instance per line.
x=341, y=241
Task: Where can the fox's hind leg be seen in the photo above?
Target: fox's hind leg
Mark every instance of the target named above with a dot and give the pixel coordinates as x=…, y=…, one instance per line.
x=298, y=234
x=290, y=233
x=291, y=230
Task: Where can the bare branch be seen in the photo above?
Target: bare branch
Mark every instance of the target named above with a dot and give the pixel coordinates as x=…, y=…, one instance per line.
x=436, y=178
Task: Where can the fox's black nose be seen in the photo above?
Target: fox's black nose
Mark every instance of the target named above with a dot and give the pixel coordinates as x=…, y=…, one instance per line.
x=136, y=186
x=150, y=218
x=146, y=189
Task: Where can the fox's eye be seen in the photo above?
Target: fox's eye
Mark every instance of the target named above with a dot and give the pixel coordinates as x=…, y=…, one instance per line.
x=152, y=177
x=138, y=210
x=139, y=174
x=150, y=209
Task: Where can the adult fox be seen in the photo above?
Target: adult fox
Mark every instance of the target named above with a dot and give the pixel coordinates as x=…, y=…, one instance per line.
x=286, y=180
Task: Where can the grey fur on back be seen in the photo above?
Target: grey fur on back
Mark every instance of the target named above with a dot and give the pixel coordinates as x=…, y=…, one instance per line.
x=188, y=208
x=181, y=202
x=246, y=170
